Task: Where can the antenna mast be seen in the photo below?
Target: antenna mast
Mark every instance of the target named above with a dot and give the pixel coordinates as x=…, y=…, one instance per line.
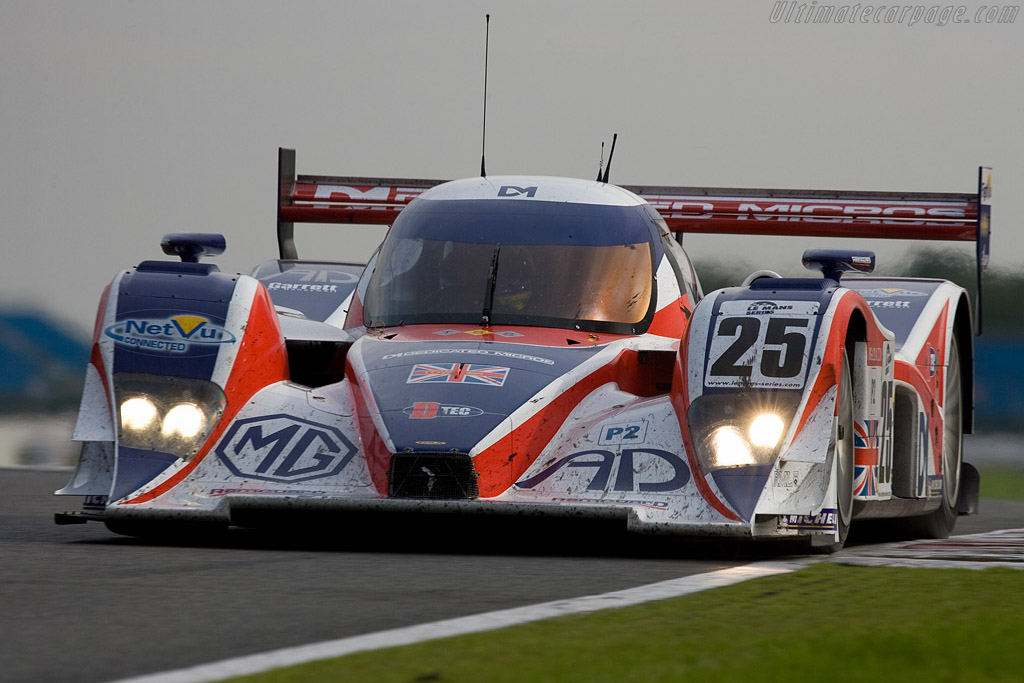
x=611, y=153
x=483, y=141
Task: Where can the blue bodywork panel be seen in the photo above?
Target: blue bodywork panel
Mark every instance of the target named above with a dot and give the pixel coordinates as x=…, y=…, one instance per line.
x=170, y=319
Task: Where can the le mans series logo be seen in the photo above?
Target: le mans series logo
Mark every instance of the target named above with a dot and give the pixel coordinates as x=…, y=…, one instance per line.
x=176, y=334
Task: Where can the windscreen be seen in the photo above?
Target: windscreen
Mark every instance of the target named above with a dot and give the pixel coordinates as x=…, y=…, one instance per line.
x=549, y=269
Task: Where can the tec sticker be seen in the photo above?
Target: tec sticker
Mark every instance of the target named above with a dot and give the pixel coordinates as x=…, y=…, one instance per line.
x=428, y=410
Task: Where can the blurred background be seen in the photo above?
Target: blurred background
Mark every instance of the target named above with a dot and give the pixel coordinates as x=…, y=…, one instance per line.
x=122, y=121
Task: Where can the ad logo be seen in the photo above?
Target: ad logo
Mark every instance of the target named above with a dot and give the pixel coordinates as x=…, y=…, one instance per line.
x=672, y=475
x=284, y=448
x=428, y=410
x=459, y=373
x=175, y=334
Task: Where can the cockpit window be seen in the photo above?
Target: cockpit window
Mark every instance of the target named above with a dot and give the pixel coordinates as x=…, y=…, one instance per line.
x=563, y=282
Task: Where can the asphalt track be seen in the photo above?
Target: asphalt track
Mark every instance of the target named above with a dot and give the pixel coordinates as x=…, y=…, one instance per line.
x=78, y=603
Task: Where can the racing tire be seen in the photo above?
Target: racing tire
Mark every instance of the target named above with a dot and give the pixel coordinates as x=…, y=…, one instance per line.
x=843, y=462
x=940, y=522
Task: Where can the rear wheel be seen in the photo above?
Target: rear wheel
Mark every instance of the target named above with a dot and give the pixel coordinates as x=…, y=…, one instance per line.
x=940, y=522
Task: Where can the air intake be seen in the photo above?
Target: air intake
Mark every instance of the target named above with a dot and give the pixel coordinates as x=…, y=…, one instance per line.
x=447, y=476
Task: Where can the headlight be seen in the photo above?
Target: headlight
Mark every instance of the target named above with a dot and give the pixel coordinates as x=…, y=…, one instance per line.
x=167, y=414
x=730, y=449
x=732, y=430
x=184, y=420
x=138, y=414
x=766, y=430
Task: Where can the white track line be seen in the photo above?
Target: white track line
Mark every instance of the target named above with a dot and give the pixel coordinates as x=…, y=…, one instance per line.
x=241, y=666
x=1000, y=548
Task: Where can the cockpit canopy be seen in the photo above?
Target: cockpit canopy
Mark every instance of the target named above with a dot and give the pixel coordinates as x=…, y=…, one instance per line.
x=517, y=262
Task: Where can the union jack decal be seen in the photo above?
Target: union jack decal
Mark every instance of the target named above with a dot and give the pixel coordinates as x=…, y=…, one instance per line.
x=461, y=373
x=864, y=484
x=867, y=441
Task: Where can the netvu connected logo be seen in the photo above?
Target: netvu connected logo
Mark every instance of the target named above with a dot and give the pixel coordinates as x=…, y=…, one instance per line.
x=175, y=334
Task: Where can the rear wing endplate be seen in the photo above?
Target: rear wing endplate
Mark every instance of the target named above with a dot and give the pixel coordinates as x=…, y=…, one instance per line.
x=808, y=213
x=336, y=199
x=984, y=229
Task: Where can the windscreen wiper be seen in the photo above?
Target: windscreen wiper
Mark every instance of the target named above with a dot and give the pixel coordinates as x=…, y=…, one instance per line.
x=492, y=276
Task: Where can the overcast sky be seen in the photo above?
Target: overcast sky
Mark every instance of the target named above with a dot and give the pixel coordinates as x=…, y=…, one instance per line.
x=122, y=121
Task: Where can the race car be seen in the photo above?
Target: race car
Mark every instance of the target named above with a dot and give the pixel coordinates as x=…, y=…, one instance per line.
x=539, y=346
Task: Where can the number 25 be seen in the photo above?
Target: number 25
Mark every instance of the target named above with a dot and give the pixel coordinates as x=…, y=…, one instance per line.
x=784, y=362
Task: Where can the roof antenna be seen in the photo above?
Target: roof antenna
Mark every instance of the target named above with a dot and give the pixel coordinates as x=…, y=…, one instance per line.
x=483, y=141
x=600, y=164
x=611, y=153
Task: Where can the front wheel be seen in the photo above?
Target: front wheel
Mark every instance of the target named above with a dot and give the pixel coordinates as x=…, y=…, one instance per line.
x=843, y=462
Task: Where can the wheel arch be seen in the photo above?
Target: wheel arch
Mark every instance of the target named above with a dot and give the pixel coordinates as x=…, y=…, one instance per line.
x=856, y=331
x=963, y=332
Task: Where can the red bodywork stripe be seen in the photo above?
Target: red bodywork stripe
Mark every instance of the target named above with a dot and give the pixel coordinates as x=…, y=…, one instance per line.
x=502, y=464
x=261, y=360
x=931, y=390
x=671, y=320
x=832, y=362
x=378, y=457
x=680, y=397
x=911, y=374
x=96, y=355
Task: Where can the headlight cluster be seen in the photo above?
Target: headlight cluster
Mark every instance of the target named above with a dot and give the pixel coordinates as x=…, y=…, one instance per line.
x=167, y=414
x=730, y=430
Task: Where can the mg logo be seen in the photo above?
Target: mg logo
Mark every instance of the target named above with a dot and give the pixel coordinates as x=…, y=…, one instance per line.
x=285, y=449
x=516, y=191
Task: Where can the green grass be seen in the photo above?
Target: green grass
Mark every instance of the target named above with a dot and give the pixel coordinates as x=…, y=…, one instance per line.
x=825, y=623
x=1006, y=483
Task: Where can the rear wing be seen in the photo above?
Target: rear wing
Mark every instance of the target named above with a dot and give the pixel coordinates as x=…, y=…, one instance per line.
x=816, y=213
x=824, y=213
x=808, y=213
